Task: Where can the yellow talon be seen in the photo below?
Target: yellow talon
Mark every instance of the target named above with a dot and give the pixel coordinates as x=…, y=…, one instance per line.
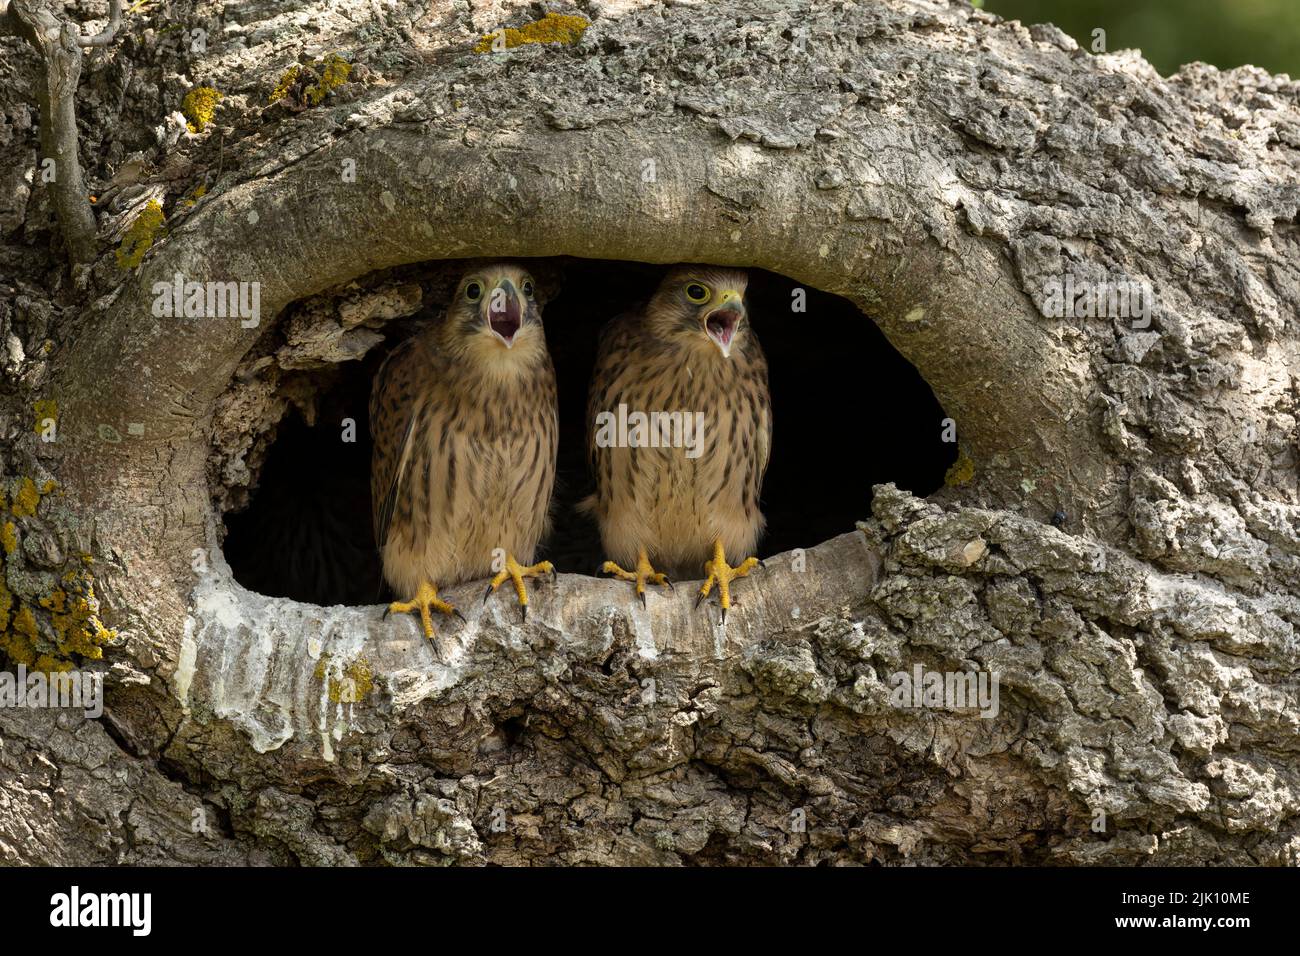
x=426, y=600
x=517, y=572
x=722, y=574
x=644, y=572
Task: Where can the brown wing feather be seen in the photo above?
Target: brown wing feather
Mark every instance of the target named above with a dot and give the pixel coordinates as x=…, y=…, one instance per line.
x=611, y=351
x=764, y=424
x=393, y=401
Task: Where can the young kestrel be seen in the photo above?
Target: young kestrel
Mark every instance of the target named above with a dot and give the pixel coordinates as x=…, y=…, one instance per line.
x=463, y=416
x=690, y=350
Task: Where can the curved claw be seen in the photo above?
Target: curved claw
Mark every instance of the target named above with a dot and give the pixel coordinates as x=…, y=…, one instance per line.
x=724, y=617
x=425, y=601
x=700, y=600
x=456, y=611
x=642, y=596
x=517, y=573
x=523, y=613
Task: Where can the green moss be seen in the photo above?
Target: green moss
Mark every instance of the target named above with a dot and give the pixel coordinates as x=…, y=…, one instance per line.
x=552, y=28
x=961, y=472
x=199, y=105
x=140, y=237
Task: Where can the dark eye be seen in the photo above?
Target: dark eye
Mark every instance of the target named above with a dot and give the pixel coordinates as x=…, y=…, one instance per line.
x=473, y=292
x=696, y=292
x=528, y=288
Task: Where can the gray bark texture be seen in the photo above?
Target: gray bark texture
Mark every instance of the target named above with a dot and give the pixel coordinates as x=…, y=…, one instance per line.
x=936, y=166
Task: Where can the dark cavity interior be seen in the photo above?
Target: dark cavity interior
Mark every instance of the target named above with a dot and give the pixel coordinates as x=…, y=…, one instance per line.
x=849, y=412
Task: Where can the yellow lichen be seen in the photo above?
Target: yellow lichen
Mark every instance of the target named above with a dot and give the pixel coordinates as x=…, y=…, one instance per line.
x=51, y=665
x=73, y=607
x=552, y=28
x=199, y=106
x=25, y=623
x=18, y=646
x=286, y=81
x=962, y=471
x=194, y=197
x=26, y=498
x=74, y=612
x=47, y=409
x=332, y=72
x=356, y=683
x=140, y=237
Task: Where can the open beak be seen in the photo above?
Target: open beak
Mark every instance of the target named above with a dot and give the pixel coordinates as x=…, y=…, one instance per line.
x=504, y=313
x=722, y=322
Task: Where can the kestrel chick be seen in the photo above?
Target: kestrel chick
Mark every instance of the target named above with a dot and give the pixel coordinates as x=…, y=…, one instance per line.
x=464, y=422
x=682, y=490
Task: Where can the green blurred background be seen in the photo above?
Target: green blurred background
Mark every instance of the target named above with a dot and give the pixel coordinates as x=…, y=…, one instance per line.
x=1227, y=33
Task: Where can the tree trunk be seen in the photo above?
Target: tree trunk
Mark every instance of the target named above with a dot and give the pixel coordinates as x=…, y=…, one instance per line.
x=937, y=167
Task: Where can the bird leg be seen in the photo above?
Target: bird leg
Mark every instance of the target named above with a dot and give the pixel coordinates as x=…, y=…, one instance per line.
x=644, y=572
x=721, y=573
x=517, y=572
x=426, y=600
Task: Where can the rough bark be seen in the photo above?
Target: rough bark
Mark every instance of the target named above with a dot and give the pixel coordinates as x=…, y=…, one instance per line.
x=932, y=164
x=59, y=47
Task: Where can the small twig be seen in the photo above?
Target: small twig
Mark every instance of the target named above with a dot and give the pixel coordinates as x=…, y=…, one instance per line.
x=59, y=44
x=105, y=36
